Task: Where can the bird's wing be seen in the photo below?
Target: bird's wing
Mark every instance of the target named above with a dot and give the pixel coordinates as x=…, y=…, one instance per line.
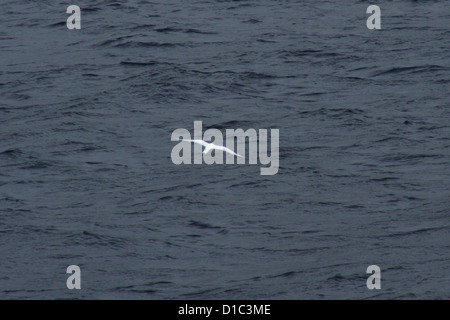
x=208, y=148
x=227, y=150
x=203, y=143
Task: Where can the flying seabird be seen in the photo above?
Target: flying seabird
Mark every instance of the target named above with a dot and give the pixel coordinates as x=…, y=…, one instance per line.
x=211, y=146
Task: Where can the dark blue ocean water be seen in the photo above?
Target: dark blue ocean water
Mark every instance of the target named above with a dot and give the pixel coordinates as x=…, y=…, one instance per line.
x=86, y=176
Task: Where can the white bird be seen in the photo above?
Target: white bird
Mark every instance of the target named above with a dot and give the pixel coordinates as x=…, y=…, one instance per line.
x=211, y=146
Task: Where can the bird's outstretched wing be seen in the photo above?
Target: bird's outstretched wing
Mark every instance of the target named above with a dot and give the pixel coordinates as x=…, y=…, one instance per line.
x=228, y=151
x=203, y=143
x=208, y=148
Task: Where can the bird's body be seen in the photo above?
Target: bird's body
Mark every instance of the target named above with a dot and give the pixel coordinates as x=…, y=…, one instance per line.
x=211, y=146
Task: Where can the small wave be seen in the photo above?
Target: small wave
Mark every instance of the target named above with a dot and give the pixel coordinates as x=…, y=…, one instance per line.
x=172, y=198
x=234, y=124
x=139, y=64
x=38, y=165
x=413, y=69
x=288, y=274
x=150, y=44
x=407, y=157
x=202, y=225
x=257, y=75
x=57, y=24
x=171, y=29
x=253, y=21
x=415, y=232
x=112, y=41
x=13, y=153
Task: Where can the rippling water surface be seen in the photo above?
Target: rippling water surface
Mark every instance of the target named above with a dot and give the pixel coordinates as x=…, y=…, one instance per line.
x=86, y=176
